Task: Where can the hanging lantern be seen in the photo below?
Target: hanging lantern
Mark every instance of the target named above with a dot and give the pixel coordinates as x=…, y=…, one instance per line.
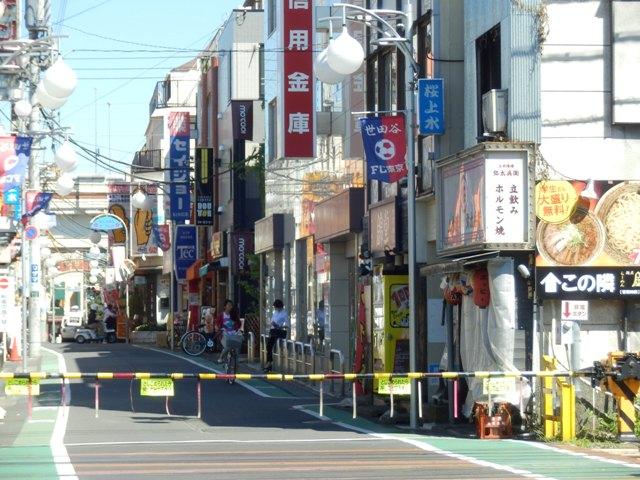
x=64, y=184
x=47, y=100
x=94, y=263
x=345, y=54
x=22, y=108
x=60, y=80
x=139, y=199
x=452, y=295
x=481, y=291
x=323, y=71
x=93, y=279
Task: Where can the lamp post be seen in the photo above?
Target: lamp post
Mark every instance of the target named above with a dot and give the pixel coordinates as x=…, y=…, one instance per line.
x=343, y=57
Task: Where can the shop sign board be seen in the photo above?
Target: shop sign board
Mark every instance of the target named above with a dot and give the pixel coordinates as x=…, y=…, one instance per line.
x=431, y=106
x=178, y=175
x=297, y=79
x=486, y=199
x=384, y=229
x=185, y=249
x=203, y=198
x=585, y=283
x=574, y=310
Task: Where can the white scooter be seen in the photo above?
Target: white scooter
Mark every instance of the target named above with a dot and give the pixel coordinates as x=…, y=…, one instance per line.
x=84, y=334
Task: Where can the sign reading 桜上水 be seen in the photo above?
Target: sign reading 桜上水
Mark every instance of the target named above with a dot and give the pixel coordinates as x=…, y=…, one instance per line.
x=431, y=106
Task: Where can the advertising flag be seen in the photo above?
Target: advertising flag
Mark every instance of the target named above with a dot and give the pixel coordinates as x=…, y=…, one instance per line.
x=162, y=237
x=185, y=249
x=385, y=147
x=143, y=219
x=14, y=157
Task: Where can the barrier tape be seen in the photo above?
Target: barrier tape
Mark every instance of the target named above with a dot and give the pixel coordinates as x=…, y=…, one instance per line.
x=288, y=377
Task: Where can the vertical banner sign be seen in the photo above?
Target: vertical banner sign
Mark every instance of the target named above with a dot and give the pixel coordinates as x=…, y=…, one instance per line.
x=143, y=240
x=385, y=148
x=179, y=197
x=242, y=119
x=184, y=249
x=14, y=157
x=118, y=199
x=162, y=236
x=241, y=247
x=431, y=106
x=204, y=186
x=7, y=304
x=298, y=78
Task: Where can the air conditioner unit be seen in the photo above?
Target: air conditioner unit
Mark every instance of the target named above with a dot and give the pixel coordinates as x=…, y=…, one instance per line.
x=494, y=111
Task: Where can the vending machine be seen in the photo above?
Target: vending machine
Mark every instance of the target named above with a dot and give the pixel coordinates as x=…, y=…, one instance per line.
x=391, y=330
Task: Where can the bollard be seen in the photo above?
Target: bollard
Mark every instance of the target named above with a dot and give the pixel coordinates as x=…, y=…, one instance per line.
x=96, y=399
x=419, y=399
x=353, y=399
x=199, y=396
x=321, y=409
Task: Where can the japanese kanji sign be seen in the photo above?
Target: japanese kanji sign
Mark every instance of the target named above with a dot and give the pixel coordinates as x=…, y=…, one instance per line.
x=204, y=186
x=297, y=79
x=555, y=200
x=574, y=310
x=583, y=283
x=431, y=106
x=179, y=196
x=505, y=203
x=385, y=147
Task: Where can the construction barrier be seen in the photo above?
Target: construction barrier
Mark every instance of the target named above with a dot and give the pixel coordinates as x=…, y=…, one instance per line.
x=161, y=384
x=558, y=411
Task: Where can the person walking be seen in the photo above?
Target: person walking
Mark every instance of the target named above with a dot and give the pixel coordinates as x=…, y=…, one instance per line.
x=279, y=325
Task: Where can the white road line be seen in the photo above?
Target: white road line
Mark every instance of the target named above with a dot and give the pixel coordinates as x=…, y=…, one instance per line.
x=64, y=467
x=207, y=367
x=542, y=446
x=50, y=407
x=42, y=421
x=177, y=442
x=430, y=448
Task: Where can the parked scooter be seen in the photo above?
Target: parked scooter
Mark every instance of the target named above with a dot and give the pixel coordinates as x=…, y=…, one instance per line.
x=84, y=334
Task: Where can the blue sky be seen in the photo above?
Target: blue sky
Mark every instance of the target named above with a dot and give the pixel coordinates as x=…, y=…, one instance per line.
x=123, y=75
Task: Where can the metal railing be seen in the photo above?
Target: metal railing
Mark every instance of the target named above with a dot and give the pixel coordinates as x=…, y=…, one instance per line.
x=251, y=346
x=333, y=354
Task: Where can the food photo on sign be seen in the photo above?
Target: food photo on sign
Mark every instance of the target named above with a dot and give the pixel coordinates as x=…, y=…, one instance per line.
x=588, y=223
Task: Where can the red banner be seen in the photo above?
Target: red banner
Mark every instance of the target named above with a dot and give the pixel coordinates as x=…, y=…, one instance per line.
x=298, y=79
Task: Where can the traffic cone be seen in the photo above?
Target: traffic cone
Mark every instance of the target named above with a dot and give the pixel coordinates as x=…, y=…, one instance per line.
x=14, y=352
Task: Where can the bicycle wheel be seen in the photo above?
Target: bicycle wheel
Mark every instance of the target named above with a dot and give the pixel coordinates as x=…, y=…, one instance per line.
x=193, y=343
x=231, y=365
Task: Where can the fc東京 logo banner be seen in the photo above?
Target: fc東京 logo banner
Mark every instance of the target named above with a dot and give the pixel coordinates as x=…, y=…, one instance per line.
x=385, y=149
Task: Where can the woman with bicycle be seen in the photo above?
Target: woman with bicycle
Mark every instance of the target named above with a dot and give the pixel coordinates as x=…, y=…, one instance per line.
x=227, y=323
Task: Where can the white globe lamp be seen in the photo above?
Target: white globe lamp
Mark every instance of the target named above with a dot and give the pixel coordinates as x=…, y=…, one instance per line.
x=95, y=271
x=45, y=252
x=139, y=199
x=47, y=100
x=94, y=263
x=53, y=271
x=64, y=185
x=66, y=157
x=3, y=7
x=60, y=80
x=323, y=71
x=41, y=220
x=22, y=108
x=95, y=237
x=50, y=262
x=93, y=279
x=95, y=250
x=345, y=54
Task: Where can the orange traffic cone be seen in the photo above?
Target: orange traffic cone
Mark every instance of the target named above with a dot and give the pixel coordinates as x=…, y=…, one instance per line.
x=14, y=352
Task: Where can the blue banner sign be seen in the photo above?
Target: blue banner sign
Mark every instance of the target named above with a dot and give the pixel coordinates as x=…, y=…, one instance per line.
x=179, y=194
x=184, y=249
x=431, y=106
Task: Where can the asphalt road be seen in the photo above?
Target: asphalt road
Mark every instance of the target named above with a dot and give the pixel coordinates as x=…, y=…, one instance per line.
x=256, y=430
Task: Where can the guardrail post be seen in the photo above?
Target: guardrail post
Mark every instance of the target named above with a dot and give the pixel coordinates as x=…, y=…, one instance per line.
x=567, y=409
x=250, y=347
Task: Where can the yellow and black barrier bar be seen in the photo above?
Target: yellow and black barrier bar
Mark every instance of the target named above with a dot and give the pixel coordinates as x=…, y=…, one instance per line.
x=288, y=377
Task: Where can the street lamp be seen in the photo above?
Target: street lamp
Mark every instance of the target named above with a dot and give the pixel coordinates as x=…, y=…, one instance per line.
x=344, y=57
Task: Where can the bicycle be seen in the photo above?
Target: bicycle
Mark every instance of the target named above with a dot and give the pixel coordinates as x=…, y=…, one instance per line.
x=234, y=344
x=194, y=342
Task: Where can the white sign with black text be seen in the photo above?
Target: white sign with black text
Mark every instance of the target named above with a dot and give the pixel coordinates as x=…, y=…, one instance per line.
x=575, y=310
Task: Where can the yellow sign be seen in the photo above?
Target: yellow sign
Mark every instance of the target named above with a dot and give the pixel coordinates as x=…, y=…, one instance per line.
x=555, y=200
x=21, y=386
x=156, y=387
x=401, y=386
x=498, y=386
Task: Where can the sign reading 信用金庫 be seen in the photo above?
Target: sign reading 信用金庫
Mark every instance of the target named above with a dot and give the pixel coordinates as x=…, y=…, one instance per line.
x=298, y=78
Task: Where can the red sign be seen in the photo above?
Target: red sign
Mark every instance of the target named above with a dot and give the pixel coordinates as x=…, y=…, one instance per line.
x=4, y=283
x=298, y=79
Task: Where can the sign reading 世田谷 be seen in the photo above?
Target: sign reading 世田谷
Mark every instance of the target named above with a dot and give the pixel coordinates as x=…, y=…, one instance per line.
x=385, y=147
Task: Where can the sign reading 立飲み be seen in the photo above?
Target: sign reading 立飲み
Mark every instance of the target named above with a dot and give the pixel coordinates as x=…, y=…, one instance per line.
x=179, y=196
x=385, y=147
x=297, y=79
x=505, y=203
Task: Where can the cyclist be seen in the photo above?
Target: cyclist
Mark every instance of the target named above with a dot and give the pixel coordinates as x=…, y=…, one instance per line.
x=279, y=325
x=228, y=322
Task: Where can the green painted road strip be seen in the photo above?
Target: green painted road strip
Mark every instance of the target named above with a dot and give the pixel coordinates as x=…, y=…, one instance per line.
x=30, y=455
x=529, y=459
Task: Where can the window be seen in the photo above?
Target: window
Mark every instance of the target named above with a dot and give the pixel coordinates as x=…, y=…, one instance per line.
x=488, y=69
x=273, y=132
x=271, y=16
x=625, y=39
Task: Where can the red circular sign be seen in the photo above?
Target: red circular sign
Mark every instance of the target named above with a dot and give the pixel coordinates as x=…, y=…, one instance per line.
x=4, y=283
x=31, y=232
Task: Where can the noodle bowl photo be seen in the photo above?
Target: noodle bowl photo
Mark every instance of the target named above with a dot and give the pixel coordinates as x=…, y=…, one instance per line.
x=576, y=241
x=619, y=211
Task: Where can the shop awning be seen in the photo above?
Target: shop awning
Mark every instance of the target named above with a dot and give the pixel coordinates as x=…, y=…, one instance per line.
x=457, y=264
